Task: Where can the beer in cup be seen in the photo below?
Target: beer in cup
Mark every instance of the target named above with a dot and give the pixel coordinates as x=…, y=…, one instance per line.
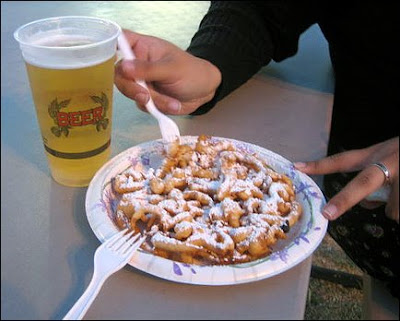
x=70, y=65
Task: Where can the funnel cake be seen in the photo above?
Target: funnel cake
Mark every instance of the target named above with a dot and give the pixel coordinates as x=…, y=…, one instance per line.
x=210, y=204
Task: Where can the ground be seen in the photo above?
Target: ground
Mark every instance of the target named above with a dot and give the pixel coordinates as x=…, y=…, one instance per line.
x=327, y=300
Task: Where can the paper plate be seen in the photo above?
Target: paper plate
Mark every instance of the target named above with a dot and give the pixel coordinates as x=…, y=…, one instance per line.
x=300, y=243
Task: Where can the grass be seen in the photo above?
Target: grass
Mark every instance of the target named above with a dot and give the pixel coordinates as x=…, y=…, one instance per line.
x=330, y=301
x=327, y=300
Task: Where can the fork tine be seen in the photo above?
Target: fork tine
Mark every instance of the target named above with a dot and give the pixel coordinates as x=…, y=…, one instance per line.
x=109, y=257
x=169, y=129
x=134, y=247
x=138, y=243
x=116, y=236
x=170, y=137
x=119, y=242
x=128, y=243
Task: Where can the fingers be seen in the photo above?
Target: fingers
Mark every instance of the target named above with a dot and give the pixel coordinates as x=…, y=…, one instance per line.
x=131, y=90
x=144, y=67
x=138, y=93
x=369, y=180
x=146, y=70
x=350, y=161
x=165, y=104
x=343, y=162
x=392, y=207
x=366, y=182
x=356, y=190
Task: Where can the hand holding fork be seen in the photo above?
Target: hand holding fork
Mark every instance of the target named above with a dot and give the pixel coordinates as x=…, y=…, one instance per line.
x=169, y=129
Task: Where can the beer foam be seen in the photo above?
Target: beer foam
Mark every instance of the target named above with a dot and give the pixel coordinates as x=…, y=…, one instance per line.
x=63, y=41
x=63, y=51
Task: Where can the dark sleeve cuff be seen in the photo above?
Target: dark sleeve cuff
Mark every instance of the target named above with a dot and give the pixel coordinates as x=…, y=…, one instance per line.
x=216, y=57
x=234, y=72
x=233, y=38
x=240, y=37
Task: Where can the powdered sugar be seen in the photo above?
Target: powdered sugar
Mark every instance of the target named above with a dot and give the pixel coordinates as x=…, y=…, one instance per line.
x=220, y=202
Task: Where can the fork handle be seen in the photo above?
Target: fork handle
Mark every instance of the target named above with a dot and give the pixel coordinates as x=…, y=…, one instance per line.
x=85, y=301
x=150, y=106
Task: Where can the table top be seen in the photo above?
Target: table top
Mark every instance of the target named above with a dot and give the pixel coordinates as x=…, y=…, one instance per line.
x=47, y=245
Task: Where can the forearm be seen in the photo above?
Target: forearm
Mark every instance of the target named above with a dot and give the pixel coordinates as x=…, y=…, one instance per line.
x=240, y=37
x=233, y=38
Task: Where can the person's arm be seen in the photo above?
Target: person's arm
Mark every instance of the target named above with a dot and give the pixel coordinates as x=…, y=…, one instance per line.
x=234, y=41
x=240, y=37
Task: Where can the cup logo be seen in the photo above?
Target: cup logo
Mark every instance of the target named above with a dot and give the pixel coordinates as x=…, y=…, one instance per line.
x=65, y=121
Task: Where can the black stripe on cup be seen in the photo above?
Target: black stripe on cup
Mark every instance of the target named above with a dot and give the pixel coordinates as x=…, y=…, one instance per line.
x=87, y=154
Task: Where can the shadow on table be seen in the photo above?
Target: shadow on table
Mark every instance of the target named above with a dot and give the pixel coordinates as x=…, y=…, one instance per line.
x=12, y=306
x=20, y=131
x=71, y=246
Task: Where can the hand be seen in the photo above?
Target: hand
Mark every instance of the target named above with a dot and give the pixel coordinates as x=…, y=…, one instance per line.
x=179, y=82
x=367, y=181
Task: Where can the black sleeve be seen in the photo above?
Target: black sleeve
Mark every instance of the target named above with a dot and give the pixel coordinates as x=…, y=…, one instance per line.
x=240, y=37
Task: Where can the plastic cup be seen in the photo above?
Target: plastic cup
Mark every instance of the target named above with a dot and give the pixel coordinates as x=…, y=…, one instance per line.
x=70, y=65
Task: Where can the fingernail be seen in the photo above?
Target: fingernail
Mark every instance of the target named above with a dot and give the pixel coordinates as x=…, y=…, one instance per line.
x=329, y=211
x=174, y=106
x=300, y=165
x=141, y=98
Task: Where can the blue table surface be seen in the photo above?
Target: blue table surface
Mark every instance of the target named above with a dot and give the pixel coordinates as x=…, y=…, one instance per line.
x=46, y=244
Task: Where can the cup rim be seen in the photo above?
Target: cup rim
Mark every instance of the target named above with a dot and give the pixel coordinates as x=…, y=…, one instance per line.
x=26, y=43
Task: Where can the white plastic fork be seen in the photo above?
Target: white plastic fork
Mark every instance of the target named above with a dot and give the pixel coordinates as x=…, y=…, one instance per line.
x=169, y=129
x=110, y=257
